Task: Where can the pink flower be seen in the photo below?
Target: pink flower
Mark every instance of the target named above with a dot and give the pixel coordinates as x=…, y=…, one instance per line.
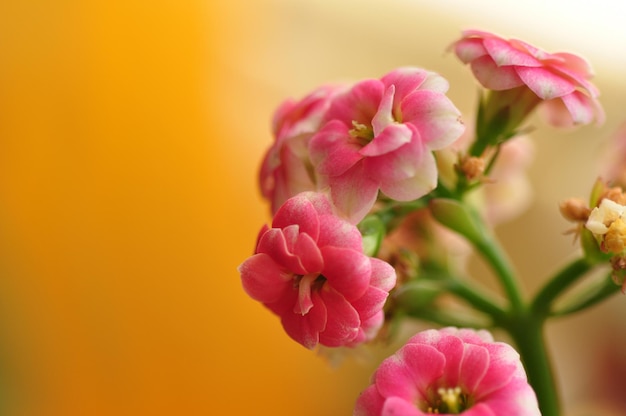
x=450, y=371
x=380, y=134
x=286, y=169
x=310, y=270
x=559, y=79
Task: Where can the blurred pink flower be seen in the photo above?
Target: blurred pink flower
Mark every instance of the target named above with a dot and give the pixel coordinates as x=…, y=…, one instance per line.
x=380, y=134
x=559, y=79
x=450, y=371
x=310, y=270
x=286, y=169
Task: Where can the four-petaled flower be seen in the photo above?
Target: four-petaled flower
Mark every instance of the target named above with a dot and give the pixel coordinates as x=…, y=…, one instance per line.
x=310, y=270
x=380, y=134
x=450, y=371
x=561, y=80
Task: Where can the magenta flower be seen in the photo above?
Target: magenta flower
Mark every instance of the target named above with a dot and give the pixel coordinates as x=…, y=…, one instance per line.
x=450, y=371
x=286, y=170
x=561, y=80
x=379, y=135
x=310, y=270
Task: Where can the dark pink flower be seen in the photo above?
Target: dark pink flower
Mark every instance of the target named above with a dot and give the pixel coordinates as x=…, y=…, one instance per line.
x=450, y=371
x=310, y=270
x=561, y=80
x=380, y=134
x=286, y=169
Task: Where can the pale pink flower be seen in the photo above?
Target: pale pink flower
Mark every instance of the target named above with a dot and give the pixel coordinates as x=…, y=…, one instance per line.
x=286, y=169
x=561, y=80
x=450, y=371
x=310, y=270
x=380, y=134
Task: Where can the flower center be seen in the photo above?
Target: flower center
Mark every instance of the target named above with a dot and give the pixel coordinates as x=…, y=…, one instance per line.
x=451, y=401
x=362, y=133
x=306, y=285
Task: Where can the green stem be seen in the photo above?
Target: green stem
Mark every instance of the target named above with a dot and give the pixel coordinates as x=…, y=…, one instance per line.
x=589, y=297
x=498, y=261
x=558, y=284
x=527, y=331
x=476, y=297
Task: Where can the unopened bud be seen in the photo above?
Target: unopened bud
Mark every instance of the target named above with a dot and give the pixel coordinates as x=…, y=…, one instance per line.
x=575, y=210
x=472, y=167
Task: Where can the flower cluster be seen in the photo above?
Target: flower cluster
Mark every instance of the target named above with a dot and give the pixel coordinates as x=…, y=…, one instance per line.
x=375, y=186
x=354, y=141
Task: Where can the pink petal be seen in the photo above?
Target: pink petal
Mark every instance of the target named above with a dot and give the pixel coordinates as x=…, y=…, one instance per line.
x=517, y=399
x=333, y=150
x=280, y=115
x=263, y=279
x=473, y=367
x=410, y=372
x=452, y=349
x=369, y=327
x=370, y=303
x=389, y=140
x=434, y=116
x=530, y=49
x=347, y=271
x=307, y=251
x=404, y=81
x=556, y=113
x=579, y=107
x=305, y=329
x=400, y=164
x=274, y=244
x=320, y=202
x=472, y=336
x=393, y=377
x=494, y=77
x=343, y=321
x=482, y=409
x=305, y=302
x=284, y=304
x=436, y=83
x=395, y=406
x=298, y=210
x=369, y=403
x=469, y=49
x=423, y=181
x=574, y=63
x=384, y=116
x=545, y=83
x=429, y=336
x=337, y=232
x=383, y=275
x=359, y=104
x=354, y=193
x=503, y=366
x=504, y=54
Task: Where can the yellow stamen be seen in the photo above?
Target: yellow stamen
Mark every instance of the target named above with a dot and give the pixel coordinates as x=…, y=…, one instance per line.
x=451, y=398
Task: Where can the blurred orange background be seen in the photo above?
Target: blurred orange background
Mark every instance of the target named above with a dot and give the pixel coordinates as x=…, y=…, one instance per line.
x=130, y=138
